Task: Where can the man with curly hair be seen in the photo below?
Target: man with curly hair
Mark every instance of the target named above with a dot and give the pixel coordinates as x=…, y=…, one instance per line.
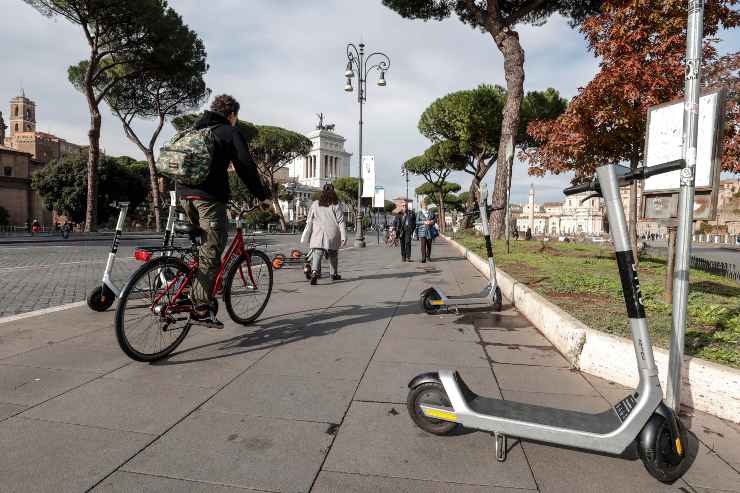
x=205, y=204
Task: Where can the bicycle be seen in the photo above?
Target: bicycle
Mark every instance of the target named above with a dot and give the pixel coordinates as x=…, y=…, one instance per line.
x=157, y=294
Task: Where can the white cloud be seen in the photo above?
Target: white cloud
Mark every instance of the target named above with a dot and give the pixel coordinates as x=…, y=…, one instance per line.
x=284, y=60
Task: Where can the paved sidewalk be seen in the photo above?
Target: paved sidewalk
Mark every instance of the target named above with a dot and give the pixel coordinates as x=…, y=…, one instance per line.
x=312, y=398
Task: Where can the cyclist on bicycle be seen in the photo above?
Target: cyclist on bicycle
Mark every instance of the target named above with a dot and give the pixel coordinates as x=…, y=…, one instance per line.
x=205, y=205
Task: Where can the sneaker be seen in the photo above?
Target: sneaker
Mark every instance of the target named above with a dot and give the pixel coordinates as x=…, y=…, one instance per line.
x=314, y=277
x=207, y=319
x=336, y=277
x=423, y=261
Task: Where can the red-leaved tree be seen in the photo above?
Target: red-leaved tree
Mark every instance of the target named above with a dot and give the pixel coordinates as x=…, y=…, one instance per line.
x=642, y=46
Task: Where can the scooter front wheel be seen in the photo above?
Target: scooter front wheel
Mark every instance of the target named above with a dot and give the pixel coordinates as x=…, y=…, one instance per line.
x=100, y=299
x=432, y=393
x=427, y=298
x=658, y=456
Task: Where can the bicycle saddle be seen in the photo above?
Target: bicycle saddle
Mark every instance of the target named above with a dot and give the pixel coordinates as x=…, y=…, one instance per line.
x=188, y=229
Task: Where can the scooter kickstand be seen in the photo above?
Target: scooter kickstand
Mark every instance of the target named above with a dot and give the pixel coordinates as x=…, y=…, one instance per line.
x=500, y=446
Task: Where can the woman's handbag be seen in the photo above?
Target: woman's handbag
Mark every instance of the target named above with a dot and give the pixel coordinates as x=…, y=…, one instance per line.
x=434, y=231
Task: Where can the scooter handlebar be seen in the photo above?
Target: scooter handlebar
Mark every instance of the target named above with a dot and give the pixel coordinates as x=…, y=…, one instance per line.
x=583, y=187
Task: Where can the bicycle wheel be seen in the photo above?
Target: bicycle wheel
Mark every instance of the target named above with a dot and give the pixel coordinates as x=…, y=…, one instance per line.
x=147, y=326
x=245, y=295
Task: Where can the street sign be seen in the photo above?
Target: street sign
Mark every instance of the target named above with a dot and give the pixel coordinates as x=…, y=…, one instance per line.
x=379, y=198
x=664, y=143
x=368, y=176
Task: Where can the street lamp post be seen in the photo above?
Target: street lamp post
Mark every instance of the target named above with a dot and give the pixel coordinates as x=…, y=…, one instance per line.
x=356, y=60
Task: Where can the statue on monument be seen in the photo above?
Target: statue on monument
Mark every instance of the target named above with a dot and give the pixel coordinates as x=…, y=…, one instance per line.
x=321, y=125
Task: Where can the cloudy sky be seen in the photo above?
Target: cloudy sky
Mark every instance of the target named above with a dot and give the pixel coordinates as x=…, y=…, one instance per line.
x=284, y=61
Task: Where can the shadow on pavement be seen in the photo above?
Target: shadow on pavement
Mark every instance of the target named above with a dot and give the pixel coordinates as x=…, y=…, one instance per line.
x=286, y=329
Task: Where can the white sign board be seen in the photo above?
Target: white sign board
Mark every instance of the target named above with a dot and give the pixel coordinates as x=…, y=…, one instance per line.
x=379, y=198
x=368, y=176
x=664, y=141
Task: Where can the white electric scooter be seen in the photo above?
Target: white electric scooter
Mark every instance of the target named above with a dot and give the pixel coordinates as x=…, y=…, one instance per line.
x=433, y=298
x=102, y=297
x=441, y=402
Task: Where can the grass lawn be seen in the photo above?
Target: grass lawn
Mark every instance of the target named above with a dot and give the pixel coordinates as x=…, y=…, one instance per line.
x=583, y=280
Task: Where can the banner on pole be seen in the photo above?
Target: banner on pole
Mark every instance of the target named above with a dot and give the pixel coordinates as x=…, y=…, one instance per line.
x=379, y=198
x=368, y=176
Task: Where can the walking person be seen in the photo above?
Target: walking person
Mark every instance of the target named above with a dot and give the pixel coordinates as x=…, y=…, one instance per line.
x=325, y=232
x=405, y=224
x=427, y=233
x=205, y=204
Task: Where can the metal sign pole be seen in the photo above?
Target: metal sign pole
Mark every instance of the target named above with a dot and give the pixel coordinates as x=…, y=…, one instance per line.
x=686, y=199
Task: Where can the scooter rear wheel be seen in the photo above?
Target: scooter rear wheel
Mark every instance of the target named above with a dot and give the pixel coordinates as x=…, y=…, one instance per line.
x=659, y=458
x=427, y=297
x=430, y=393
x=498, y=300
x=100, y=299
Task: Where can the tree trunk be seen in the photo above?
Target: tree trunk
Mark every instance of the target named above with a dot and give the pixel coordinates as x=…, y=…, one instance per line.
x=507, y=41
x=93, y=156
x=153, y=183
x=441, y=219
x=276, y=206
x=633, y=215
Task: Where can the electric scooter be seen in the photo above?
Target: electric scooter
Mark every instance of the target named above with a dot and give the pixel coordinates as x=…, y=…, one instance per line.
x=440, y=402
x=432, y=299
x=102, y=297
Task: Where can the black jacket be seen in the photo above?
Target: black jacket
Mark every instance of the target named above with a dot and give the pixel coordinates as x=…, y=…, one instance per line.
x=230, y=148
x=405, y=223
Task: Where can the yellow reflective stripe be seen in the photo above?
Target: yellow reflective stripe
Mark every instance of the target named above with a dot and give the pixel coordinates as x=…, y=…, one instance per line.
x=439, y=414
x=436, y=302
x=679, y=447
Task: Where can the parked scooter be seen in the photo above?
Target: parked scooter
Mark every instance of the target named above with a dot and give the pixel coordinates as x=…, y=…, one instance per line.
x=441, y=402
x=102, y=297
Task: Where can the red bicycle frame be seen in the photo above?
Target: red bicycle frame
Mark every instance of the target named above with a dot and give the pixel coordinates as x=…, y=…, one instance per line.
x=236, y=248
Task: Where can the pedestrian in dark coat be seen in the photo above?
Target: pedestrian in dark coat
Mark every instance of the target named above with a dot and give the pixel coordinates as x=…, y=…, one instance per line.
x=405, y=224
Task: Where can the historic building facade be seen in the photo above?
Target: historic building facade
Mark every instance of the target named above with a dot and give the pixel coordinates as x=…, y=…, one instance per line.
x=569, y=217
x=326, y=161
x=23, y=152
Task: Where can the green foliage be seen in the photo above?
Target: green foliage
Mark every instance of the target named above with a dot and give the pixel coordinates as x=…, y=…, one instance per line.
x=509, y=14
x=63, y=185
x=389, y=206
x=261, y=218
x=583, y=280
x=273, y=147
x=346, y=188
x=539, y=105
x=4, y=216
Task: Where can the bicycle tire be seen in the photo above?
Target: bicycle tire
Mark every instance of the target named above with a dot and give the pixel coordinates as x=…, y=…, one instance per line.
x=250, y=316
x=121, y=334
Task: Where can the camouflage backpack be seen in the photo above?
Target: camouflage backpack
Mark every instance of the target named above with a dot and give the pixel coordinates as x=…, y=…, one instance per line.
x=187, y=156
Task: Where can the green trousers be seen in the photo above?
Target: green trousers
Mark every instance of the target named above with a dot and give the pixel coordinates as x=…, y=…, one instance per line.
x=210, y=216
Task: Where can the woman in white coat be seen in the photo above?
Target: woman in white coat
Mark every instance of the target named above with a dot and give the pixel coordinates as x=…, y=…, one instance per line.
x=325, y=232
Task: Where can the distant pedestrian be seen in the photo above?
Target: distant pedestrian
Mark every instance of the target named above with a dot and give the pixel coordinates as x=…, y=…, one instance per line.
x=325, y=232
x=427, y=232
x=515, y=233
x=405, y=224
x=528, y=234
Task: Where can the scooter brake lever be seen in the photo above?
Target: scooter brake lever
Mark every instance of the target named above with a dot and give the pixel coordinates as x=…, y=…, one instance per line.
x=592, y=196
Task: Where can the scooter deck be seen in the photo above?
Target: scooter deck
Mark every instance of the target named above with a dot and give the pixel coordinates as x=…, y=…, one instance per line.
x=601, y=423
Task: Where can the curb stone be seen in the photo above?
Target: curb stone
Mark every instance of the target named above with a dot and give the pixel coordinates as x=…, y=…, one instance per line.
x=707, y=386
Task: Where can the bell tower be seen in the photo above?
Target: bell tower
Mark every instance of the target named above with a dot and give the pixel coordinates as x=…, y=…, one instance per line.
x=3, y=127
x=22, y=114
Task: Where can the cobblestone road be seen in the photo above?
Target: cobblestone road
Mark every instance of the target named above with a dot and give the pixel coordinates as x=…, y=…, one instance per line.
x=42, y=276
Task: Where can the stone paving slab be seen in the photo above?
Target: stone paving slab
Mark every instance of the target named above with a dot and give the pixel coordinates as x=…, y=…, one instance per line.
x=127, y=482
x=138, y=406
x=380, y=439
x=388, y=382
x=260, y=453
x=39, y=456
x=303, y=398
x=28, y=386
x=332, y=482
x=310, y=398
